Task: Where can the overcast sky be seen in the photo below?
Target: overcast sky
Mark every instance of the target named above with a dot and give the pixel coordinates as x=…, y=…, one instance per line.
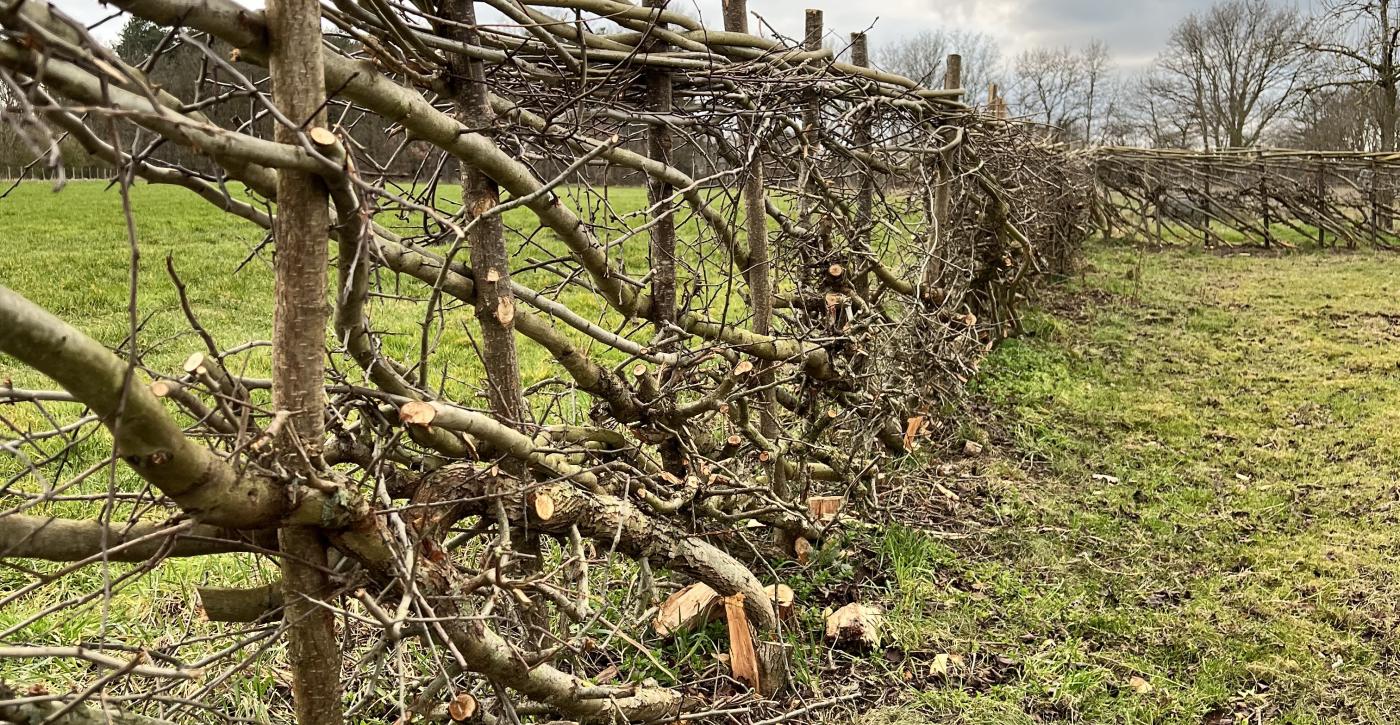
x=1133, y=29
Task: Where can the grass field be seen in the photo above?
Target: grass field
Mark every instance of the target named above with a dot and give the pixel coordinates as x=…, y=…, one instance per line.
x=1185, y=514
x=1191, y=513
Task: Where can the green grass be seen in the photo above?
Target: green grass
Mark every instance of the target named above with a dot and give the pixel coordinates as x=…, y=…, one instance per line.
x=1237, y=551
x=69, y=252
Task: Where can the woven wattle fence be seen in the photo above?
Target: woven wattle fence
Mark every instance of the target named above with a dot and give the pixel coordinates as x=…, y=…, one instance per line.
x=1265, y=197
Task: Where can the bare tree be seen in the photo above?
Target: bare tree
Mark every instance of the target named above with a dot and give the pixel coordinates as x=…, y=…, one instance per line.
x=1362, y=38
x=1158, y=120
x=1235, y=69
x=1333, y=119
x=1050, y=87
x=922, y=55
x=1100, y=87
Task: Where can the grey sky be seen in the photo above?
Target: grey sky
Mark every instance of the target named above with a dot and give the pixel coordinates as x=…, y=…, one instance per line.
x=1133, y=29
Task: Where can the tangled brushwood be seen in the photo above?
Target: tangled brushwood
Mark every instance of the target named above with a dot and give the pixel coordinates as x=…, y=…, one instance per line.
x=736, y=365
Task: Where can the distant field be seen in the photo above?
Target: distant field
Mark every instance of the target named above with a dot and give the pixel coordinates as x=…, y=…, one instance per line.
x=69, y=252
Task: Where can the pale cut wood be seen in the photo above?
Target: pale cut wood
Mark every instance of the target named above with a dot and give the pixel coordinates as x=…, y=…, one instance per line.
x=321, y=136
x=912, y=431
x=463, y=707
x=802, y=549
x=685, y=610
x=784, y=599
x=542, y=504
x=417, y=413
x=743, y=660
x=825, y=508
x=194, y=363
x=856, y=625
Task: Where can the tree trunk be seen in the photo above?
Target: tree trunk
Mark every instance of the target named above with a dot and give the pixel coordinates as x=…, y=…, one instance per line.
x=663, y=230
x=298, y=355
x=490, y=262
x=760, y=273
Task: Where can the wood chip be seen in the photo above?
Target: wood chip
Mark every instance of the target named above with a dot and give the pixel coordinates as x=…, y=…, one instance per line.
x=825, y=508
x=685, y=610
x=783, y=598
x=855, y=625
x=912, y=429
x=802, y=549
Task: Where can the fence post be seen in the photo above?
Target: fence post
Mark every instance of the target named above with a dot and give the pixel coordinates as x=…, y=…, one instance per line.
x=1320, y=189
x=1157, y=212
x=943, y=196
x=1268, y=218
x=659, y=145
x=1207, y=201
x=860, y=241
x=811, y=138
x=995, y=103
x=952, y=74
x=1375, y=206
x=759, y=273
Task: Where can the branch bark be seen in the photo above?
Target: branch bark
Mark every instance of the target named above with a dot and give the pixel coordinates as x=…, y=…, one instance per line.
x=59, y=539
x=299, y=320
